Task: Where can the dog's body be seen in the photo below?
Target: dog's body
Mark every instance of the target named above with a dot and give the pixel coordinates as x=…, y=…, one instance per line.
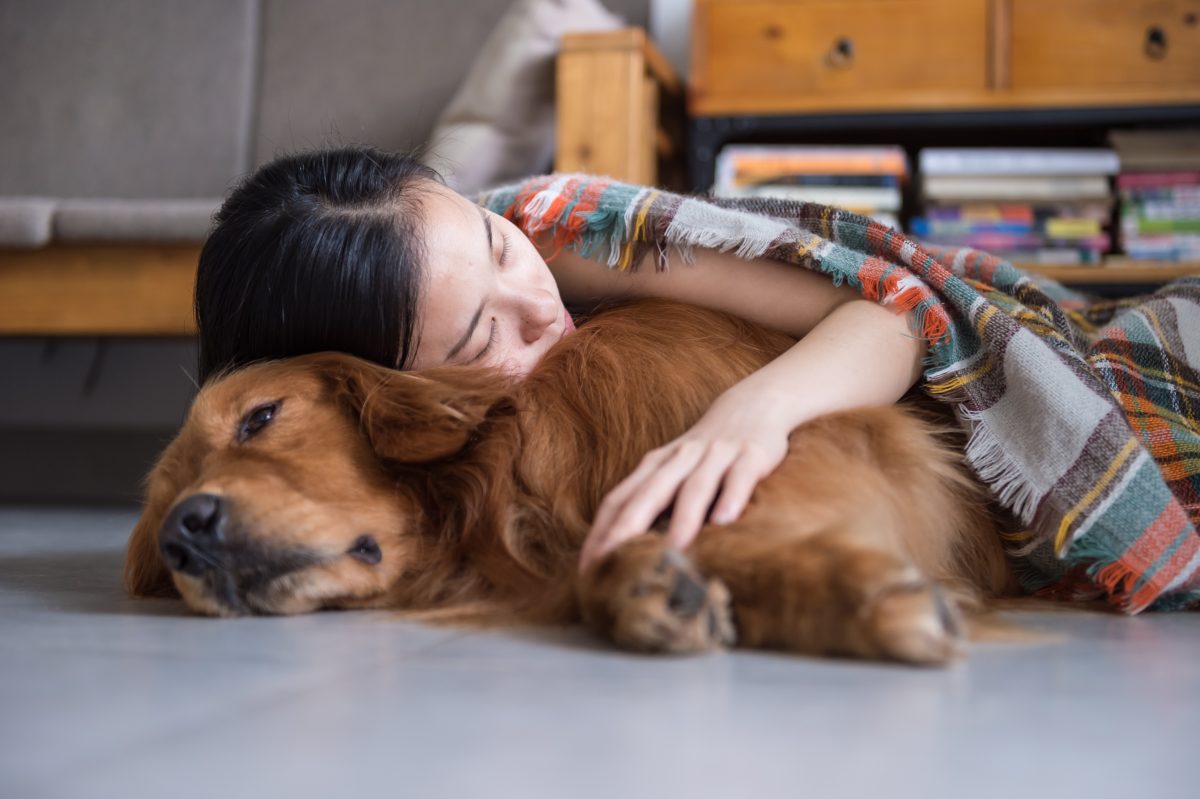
x=327, y=482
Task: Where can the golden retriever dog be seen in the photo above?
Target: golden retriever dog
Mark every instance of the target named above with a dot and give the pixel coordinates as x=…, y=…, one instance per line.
x=328, y=482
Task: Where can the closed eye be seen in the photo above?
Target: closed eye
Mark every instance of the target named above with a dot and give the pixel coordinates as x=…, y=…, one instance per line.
x=505, y=250
x=487, y=347
x=259, y=417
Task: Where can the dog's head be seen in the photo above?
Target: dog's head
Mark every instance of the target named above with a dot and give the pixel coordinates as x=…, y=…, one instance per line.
x=280, y=494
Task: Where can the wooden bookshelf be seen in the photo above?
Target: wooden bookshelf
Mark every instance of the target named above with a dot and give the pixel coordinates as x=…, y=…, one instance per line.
x=1118, y=270
x=940, y=73
x=945, y=73
x=804, y=56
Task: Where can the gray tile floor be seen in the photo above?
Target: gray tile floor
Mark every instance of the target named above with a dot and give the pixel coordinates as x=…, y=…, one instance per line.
x=105, y=696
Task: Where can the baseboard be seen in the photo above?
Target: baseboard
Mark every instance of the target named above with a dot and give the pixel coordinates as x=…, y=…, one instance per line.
x=93, y=467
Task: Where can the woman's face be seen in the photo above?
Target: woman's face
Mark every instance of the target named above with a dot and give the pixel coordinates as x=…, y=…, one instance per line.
x=489, y=298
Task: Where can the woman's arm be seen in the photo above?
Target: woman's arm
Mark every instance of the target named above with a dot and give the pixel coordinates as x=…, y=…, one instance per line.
x=852, y=353
x=773, y=294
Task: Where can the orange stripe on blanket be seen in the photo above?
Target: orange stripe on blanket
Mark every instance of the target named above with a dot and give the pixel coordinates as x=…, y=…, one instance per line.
x=545, y=226
x=515, y=212
x=548, y=218
x=1162, y=533
x=569, y=231
x=881, y=279
x=877, y=235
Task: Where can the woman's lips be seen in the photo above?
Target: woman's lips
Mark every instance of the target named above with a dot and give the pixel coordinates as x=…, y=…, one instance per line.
x=568, y=322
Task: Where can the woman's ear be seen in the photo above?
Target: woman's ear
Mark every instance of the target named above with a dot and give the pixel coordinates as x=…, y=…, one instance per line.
x=416, y=417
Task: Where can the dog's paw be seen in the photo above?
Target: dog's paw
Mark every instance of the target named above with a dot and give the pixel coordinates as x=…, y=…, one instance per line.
x=649, y=598
x=671, y=608
x=900, y=614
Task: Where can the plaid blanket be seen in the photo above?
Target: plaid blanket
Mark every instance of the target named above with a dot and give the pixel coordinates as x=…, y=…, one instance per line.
x=1083, y=415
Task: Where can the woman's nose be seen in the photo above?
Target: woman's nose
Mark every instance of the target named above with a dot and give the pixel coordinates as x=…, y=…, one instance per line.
x=538, y=312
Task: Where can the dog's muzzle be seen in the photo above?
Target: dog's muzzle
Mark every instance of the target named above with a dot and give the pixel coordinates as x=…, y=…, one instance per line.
x=192, y=540
x=202, y=540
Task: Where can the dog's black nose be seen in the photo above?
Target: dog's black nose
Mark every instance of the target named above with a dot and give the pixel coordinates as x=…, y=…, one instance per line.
x=192, y=534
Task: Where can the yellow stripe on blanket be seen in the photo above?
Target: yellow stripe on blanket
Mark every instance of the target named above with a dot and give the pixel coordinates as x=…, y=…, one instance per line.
x=636, y=235
x=1130, y=447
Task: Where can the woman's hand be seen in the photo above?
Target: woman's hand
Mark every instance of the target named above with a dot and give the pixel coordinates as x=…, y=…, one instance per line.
x=740, y=440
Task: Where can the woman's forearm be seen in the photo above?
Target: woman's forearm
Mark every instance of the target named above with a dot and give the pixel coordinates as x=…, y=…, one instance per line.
x=771, y=293
x=852, y=352
x=861, y=354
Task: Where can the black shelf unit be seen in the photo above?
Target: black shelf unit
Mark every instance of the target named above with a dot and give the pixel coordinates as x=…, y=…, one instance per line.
x=1045, y=127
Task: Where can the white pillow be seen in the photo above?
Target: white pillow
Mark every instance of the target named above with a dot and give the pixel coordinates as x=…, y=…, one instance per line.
x=499, y=125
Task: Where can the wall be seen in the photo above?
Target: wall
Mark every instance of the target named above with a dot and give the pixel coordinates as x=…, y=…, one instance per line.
x=81, y=420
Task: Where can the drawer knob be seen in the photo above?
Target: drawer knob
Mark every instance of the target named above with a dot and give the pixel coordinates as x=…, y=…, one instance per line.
x=1155, y=46
x=841, y=55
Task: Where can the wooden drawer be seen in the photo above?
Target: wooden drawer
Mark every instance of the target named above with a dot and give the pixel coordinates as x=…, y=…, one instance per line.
x=779, y=54
x=1099, y=43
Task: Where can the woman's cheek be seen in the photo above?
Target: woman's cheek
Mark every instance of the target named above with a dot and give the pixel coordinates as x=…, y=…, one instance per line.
x=527, y=363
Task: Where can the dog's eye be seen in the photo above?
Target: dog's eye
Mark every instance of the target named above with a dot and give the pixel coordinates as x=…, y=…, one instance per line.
x=366, y=549
x=256, y=420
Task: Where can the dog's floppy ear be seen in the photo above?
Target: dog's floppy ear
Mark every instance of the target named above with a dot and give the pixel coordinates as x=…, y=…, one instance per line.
x=145, y=572
x=416, y=417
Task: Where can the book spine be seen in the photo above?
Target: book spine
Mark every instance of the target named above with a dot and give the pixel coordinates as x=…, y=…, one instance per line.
x=1033, y=162
x=1150, y=227
x=872, y=181
x=1155, y=180
x=962, y=188
x=863, y=199
x=765, y=160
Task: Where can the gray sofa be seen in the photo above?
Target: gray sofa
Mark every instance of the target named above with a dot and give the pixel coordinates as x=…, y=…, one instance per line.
x=127, y=120
x=124, y=122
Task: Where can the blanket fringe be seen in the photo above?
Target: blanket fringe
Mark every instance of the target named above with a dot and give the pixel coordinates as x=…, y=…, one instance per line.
x=743, y=247
x=986, y=454
x=1119, y=581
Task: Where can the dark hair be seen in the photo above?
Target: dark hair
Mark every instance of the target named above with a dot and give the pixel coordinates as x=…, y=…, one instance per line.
x=314, y=251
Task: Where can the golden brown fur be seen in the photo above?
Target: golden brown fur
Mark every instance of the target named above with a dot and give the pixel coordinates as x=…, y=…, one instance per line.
x=479, y=490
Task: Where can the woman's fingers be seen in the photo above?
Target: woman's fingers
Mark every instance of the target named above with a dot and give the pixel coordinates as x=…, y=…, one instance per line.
x=697, y=493
x=740, y=481
x=656, y=492
x=597, y=541
x=651, y=490
x=615, y=500
x=691, y=473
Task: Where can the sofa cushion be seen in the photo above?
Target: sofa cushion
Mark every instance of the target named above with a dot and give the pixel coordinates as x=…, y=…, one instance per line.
x=26, y=221
x=372, y=71
x=125, y=98
x=166, y=220
x=499, y=126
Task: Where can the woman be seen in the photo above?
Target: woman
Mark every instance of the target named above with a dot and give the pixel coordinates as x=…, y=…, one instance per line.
x=368, y=253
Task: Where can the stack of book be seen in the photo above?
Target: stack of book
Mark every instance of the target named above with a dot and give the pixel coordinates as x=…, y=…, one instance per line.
x=866, y=180
x=1159, y=187
x=1033, y=205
